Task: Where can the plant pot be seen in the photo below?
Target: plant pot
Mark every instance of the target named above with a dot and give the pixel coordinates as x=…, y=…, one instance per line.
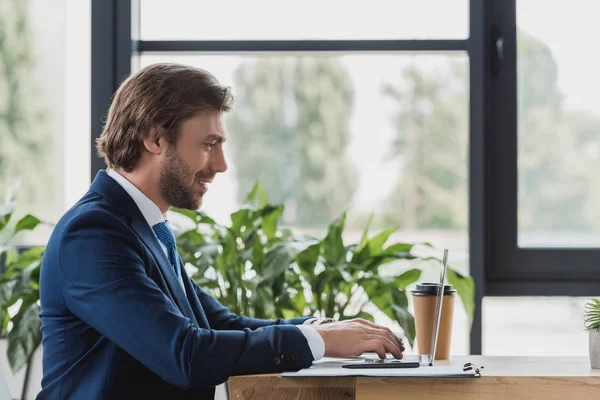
x=595, y=349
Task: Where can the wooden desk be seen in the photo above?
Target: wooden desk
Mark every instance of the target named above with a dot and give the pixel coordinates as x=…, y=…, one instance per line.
x=514, y=378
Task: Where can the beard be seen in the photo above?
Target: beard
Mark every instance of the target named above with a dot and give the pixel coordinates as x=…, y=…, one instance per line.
x=177, y=181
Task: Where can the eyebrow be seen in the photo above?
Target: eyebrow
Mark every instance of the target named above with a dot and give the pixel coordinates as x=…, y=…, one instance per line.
x=216, y=137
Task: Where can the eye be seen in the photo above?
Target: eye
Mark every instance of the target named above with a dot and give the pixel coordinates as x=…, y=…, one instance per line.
x=210, y=146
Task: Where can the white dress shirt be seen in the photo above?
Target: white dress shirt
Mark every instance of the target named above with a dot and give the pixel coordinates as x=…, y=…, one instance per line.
x=153, y=216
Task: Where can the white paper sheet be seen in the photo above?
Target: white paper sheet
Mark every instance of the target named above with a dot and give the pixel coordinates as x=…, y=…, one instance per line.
x=333, y=367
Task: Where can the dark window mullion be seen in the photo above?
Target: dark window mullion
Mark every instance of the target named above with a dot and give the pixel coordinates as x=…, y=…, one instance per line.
x=234, y=46
x=502, y=135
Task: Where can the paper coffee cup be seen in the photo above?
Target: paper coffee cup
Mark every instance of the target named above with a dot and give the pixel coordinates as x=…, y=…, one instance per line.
x=425, y=303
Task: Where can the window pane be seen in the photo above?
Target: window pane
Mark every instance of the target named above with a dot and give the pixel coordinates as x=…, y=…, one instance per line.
x=310, y=19
x=44, y=121
x=534, y=326
x=382, y=134
x=44, y=107
x=559, y=125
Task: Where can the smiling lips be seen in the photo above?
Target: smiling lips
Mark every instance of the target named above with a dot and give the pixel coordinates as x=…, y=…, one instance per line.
x=203, y=184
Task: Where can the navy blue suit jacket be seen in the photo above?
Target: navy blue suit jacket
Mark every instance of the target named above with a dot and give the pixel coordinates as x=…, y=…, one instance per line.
x=116, y=323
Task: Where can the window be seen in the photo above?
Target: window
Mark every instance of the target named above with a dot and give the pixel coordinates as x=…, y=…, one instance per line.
x=503, y=182
x=542, y=140
x=326, y=133
x=380, y=133
x=534, y=326
x=310, y=19
x=558, y=126
x=44, y=121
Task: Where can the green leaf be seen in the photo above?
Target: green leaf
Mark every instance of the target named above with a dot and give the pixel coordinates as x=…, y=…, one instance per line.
x=307, y=259
x=592, y=315
x=299, y=304
x=6, y=294
x=203, y=218
x=393, y=302
x=31, y=255
x=333, y=244
x=25, y=336
x=28, y=222
x=205, y=283
x=257, y=196
x=4, y=320
x=376, y=244
x=365, y=236
x=208, y=252
x=188, y=213
x=402, y=315
x=465, y=288
x=271, y=220
x=361, y=255
x=239, y=219
x=398, y=249
x=12, y=256
x=257, y=255
x=405, y=279
x=339, y=272
x=31, y=274
x=6, y=212
x=279, y=258
x=406, y=321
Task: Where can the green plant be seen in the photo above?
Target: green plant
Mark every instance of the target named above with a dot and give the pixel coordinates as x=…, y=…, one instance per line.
x=592, y=315
x=343, y=280
x=256, y=269
x=244, y=265
x=19, y=289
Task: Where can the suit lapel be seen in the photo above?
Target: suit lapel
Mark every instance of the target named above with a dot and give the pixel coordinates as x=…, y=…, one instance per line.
x=114, y=193
x=143, y=230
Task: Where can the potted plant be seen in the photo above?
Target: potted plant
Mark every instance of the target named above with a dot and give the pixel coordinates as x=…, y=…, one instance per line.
x=19, y=290
x=592, y=326
x=257, y=269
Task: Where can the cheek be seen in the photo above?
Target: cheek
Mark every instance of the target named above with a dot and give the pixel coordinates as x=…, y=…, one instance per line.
x=194, y=158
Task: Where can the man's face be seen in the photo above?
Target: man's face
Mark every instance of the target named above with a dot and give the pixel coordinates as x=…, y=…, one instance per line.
x=192, y=163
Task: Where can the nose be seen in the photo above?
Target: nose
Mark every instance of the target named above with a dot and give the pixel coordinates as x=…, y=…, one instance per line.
x=219, y=164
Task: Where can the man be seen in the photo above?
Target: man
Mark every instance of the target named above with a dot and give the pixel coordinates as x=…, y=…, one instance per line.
x=121, y=319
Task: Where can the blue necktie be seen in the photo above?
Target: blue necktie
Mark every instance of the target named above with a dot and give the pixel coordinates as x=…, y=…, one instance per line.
x=167, y=237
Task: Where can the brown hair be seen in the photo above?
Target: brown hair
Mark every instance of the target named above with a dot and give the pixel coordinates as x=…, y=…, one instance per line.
x=159, y=96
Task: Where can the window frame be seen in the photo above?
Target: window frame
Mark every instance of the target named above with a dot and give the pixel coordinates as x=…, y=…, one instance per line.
x=514, y=270
x=498, y=266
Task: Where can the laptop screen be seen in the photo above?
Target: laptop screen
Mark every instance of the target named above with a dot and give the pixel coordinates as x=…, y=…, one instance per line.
x=438, y=309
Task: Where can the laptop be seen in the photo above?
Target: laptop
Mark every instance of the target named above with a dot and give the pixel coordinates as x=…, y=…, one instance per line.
x=414, y=360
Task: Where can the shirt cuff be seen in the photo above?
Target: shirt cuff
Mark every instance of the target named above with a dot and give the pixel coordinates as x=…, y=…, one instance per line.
x=309, y=321
x=315, y=341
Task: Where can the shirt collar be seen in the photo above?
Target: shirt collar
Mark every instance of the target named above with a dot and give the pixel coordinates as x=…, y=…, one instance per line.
x=149, y=209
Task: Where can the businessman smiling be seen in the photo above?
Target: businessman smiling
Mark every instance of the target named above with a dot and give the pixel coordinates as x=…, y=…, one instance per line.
x=121, y=319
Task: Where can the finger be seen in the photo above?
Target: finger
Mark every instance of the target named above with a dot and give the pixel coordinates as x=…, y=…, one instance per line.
x=374, y=325
x=376, y=346
x=396, y=348
x=390, y=346
x=396, y=338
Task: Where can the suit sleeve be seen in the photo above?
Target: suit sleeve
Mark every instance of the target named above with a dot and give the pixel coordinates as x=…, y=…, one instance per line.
x=104, y=283
x=221, y=318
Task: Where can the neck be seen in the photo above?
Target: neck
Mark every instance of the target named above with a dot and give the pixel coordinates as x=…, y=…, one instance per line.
x=147, y=183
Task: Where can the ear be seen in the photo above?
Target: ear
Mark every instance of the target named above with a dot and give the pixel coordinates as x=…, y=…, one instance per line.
x=155, y=143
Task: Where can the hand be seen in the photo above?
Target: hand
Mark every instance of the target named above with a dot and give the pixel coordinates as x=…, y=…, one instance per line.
x=354, y=337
